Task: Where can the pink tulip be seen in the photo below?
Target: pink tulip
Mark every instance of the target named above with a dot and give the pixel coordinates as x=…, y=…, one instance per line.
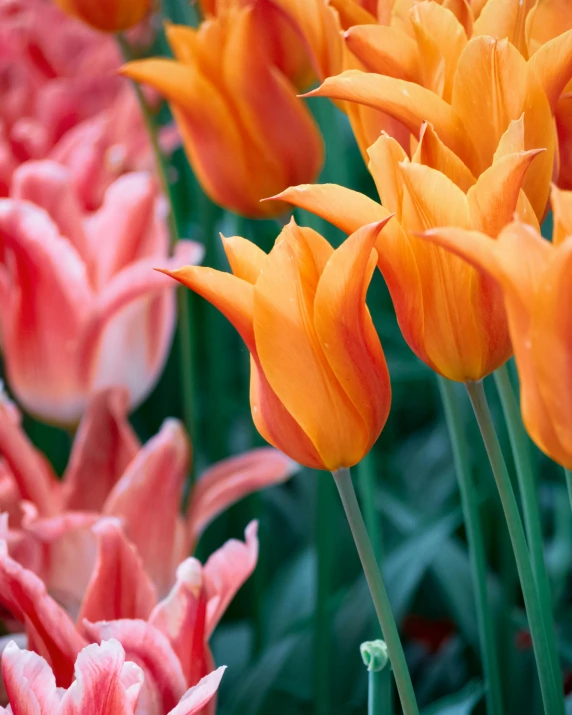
x=49, y=520
x=82, y=307
x=168, y=638
x=105, y=684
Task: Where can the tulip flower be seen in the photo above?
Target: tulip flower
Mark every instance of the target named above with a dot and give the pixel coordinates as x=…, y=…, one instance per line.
x=168, y=637
x=451, y=316
x=245, y=132
x=110, y=473
x=319, y=387
x=114, y=16
x=81, y=308
x=431, y=63
x=534, y=277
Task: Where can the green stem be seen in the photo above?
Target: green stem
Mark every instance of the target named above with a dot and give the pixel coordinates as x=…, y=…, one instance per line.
x=568, y=476
x=551, y=695
x=477, y=559
x=527, y=483
x=323, y=626
x=187, y=353
x=381, y=603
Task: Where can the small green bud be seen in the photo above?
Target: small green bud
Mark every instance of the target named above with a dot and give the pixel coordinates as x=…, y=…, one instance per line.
x=374, y=655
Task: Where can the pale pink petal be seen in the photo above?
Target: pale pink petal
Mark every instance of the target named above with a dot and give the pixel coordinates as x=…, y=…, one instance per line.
x=119, y=586
x=181, y=616
x=147, y=500
x=50, y=631
x=230, y=480
x=104, y=445
x=48, y=185
x=225, y=572
x=128, y=335
x=105, y=684
x=29, y=681
x=48, y=298
x=197, y=697
x=31, y=472
x=164, y=682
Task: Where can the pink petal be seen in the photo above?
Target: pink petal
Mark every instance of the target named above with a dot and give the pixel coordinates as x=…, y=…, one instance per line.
x=197, y=697
x=128, y=335
x=164, y=682
x=105, y=684
x=225, y=572
x=119, y=586
x=104, y=445
x=147, y=499
x=181, y=616
x=30, y=470
x=50, y=631
x=48, y=296
x=29, y=681
x=232, y=479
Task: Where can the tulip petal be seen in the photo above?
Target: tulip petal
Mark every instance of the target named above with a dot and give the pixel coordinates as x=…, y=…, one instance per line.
x=351, y=13
x=31, y=471
x=181, y=617
x=119, y=586
x=226, y=571
x=164, y=683
x=495, y=69
x=493, y=199
x=245, y=258
x=230, y=480
x=346, y=331
x=105, y=684
x=500, y=19
x=562, y=215
x=546, y=20
x=432, y=152
x=195, y=699
x=552, y=63
x=385, y=50
x=385, y=156
x=29, y=681
x=106, y=16
x=345, y=208
x=408, y=102
x=147, y=500
x=289, y=350
x=104, y=445
x=50, y=630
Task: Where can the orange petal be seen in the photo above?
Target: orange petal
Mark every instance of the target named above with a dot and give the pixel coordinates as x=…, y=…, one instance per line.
x=562, y=214
x=432, y=152
x=290, y=353
x=346, y=209
x=552, y=64
x=547, y=19
x=245, y=258
x=493, y=199
x=229, y=294
x=385, y=50
x=107, y=16
x=384, y=159
x=512, y=141
x=346, y=331
x=352, y=14
x=406, y=101
x=496, y=70
x=500, y=19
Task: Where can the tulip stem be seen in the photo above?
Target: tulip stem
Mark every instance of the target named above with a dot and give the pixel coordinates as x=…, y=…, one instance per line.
x=551, y=694
x=187, y=352
x=477, y=558
x=381, y=603
x=528, y=492
x=568, y=476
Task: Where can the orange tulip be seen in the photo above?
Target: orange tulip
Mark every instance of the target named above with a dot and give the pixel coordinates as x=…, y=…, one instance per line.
x=534, y=276
x=422, y=66
x=319, y=387
x=451, y=316
x=107, y=15
x=245, y=132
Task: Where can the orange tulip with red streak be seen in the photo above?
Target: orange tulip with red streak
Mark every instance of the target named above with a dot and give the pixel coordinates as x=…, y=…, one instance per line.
x=107, y=15
x=534, y=276
x=245, y=132
x=423, y=66
x=452, y=317
x=319, y=386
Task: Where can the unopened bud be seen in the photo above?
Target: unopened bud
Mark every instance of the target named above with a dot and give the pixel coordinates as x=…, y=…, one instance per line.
x=374, y=655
